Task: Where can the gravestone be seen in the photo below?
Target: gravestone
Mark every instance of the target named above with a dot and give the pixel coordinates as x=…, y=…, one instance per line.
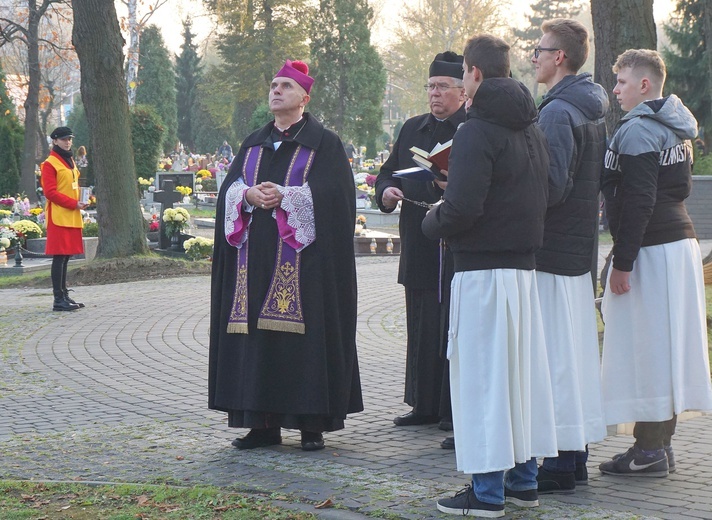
x=167, y=197
x=178, y=179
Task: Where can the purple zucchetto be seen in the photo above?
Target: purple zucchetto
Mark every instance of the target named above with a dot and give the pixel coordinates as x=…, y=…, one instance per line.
x=298, y=71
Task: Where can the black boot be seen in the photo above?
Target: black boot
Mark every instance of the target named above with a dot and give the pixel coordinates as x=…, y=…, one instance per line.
x=66, y=297
x=60, y=304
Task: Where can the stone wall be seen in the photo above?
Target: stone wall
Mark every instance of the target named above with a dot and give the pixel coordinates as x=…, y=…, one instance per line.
x=699, y=205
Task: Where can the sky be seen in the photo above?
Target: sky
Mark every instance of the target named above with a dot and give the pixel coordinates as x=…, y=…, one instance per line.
x=169, y=17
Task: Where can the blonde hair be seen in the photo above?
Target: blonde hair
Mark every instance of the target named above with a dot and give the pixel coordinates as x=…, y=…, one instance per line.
x=643, y=60
x=572, y=37
x=81, y=151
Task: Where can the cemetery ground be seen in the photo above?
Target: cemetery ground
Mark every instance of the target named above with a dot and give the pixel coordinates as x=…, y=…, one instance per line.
x=103, y=415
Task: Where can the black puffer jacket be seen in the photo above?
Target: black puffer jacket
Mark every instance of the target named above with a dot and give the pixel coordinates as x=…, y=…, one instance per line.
x=494, y=205
x=572, y=118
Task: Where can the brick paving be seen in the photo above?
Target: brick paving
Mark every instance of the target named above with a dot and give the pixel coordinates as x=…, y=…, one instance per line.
x=116, y=392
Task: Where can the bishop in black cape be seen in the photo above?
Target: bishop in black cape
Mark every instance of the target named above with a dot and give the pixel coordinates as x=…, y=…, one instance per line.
x=268, y=378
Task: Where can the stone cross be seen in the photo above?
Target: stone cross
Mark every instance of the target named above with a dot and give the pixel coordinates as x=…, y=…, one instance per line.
x=167, y=196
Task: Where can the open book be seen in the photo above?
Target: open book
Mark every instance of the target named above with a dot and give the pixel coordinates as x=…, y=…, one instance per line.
x=436, y=159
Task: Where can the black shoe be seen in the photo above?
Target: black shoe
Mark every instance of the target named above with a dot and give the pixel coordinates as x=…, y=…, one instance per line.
x=445, y=425
x=412, y=418
x=555, y=483
x=465, y=503
x=635, y=462
x=66, y=297
x=258, y=438
x=671, y=459
x=448, y=443
x=60, y=304
x=581, y=474
x=312, y=441
x=526, y=498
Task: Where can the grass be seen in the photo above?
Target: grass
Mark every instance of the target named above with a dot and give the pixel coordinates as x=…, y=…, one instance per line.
x=61, y=501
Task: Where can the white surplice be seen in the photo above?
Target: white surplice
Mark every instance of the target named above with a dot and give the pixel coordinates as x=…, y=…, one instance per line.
x=655, y=359
x=499, y=377
x=569, y=316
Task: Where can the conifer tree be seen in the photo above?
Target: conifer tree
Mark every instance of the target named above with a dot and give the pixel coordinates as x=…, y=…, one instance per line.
x=157, y=85
x=188, y=75
x=349, y=75
x=689, y=59
x=11, y=137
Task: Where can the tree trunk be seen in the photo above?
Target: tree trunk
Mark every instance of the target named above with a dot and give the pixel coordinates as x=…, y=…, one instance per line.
x=28, y=182
x=98, y=42
x=619, y=25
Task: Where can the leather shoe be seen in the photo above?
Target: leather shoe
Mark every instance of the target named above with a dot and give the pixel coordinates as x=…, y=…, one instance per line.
x=445, y=425
x=258, y=438
x=412, y=418
x=312, y=441
x=448, y=443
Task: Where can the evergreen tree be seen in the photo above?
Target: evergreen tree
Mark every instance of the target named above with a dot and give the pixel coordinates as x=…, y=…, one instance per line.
x=157, y=86
x=188, y=75
x=688, y=68
x=12, y=139
x=212, y=116
x=349, y=76
x=255, y=40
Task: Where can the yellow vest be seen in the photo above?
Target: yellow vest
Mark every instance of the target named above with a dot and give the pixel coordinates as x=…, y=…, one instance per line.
x=67, y=184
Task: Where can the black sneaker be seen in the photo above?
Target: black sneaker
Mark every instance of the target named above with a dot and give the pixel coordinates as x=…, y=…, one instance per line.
x=555, y=483
x=526, y=498
x=581, y=474
x=465, y=503
x=671, y=458
x=636, y=462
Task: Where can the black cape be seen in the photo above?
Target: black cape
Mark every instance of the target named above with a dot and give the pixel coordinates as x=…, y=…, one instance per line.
x=267, y=378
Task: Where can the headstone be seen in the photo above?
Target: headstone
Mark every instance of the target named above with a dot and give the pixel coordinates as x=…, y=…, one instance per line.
x=220, y=177
x=178, y=178
x=167, y=197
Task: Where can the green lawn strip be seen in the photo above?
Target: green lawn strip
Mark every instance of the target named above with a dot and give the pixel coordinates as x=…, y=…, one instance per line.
x=32, y=500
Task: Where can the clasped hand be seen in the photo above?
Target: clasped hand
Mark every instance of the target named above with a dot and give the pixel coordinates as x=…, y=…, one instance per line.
x=264, y=195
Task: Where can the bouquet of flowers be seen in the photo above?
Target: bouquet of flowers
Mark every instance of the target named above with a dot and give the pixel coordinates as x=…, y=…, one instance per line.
x=176, y=220
x=145, y=183
x=203, y=174
x=8, y=237
x=198, y=248
x=7, y=203
x=184, y=190
x=27, y=229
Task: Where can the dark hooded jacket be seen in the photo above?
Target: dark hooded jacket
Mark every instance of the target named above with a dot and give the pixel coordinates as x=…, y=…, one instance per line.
x=493, y=208
x=647, y=178
x=572, y=118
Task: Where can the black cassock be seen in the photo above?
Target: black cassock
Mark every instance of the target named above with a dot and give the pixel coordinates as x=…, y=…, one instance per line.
x=419, y=268
x=269, y=378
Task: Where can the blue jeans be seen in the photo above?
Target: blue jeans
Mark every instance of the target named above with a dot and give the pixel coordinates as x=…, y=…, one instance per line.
x=489, y=487
x=565, y=462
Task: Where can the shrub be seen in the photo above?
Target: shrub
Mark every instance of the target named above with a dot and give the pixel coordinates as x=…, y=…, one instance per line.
x=91, y=229
x=147, y=137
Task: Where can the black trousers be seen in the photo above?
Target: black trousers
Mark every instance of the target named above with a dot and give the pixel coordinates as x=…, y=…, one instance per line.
x=59, y=275
x=654, y=435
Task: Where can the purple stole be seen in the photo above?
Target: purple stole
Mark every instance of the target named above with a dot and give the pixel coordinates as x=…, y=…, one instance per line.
x=282, y=308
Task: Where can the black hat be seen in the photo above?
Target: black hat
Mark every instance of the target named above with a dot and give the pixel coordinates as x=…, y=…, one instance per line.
x=61, y=132
x=447, y=64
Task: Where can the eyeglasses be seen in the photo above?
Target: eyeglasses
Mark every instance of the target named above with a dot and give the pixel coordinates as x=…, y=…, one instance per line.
x=538, y=50
x=442, y=87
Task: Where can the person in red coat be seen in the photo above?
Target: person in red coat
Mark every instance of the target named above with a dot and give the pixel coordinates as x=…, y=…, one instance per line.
x=60, y=182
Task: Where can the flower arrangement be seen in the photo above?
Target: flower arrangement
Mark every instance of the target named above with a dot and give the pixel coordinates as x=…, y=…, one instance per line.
x=7, y=202
x=144, y=183
x=5, y=213
x=184, y=190
x=8, y=237
x=204, y=174
x=361, y=219
x=176, y=220
x=198, y=248
x=36, y=211
x=27, y=228
x=92, y=202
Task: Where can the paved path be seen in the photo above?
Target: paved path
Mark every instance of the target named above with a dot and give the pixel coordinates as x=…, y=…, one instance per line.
x=116, y=392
